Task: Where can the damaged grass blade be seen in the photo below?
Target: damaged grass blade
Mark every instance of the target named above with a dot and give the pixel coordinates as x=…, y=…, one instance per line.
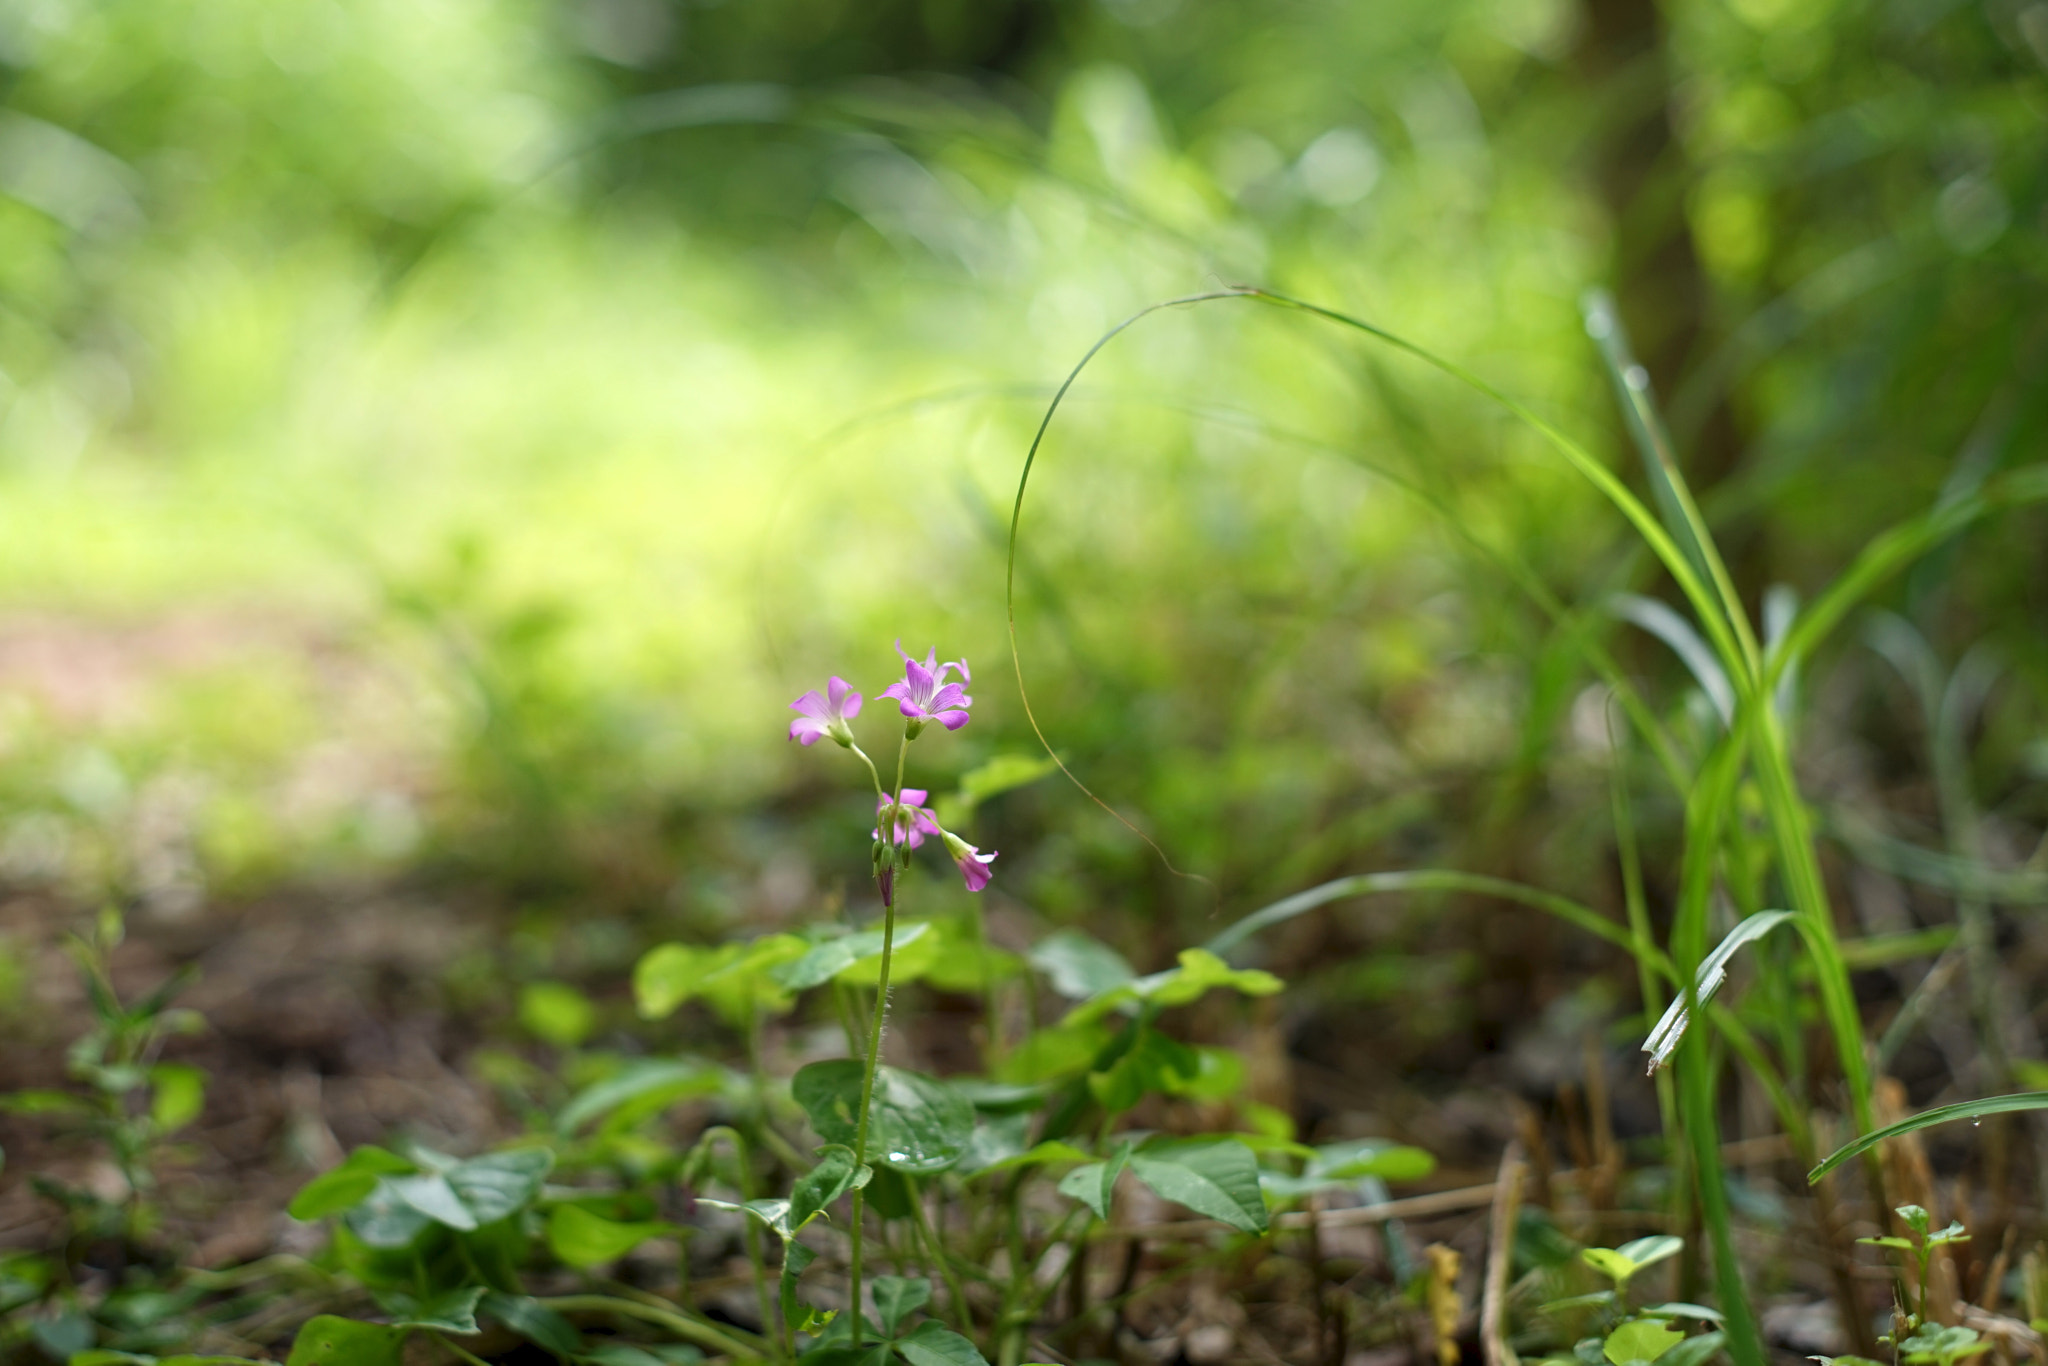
x=1663, y=1040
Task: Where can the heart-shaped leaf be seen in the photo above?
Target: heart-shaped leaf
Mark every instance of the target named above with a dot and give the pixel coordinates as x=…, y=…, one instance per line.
x=1079, y=966
x=822, y=962
x=933, y=1344
x=496, y=1185
x=331, y=1341
x=897, y=1297
x=1639, y=1340
x=916, y=1124
x=1219, y=1179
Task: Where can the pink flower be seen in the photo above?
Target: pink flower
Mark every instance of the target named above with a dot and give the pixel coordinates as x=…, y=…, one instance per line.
x=972, y=862
x=911, y=822
x=923, y=694
x=824, y=716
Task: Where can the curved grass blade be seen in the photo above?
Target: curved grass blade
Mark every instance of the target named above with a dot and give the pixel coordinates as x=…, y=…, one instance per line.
x=1675, y=631
x=1670, y=1029
x=1927, y=1119
x=1434, y=880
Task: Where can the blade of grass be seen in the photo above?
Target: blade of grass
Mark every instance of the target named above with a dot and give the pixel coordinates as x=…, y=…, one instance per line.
x=1927, y=1119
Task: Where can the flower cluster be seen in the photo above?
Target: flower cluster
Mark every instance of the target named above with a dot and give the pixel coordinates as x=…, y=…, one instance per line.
x=902, y=820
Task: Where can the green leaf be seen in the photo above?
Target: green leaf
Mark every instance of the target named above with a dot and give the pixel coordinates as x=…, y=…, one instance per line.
x=584, y=1240
x=1200, y=972
x=1639, y=1340
x=177, y=1096
x=994, y=1140
x=496, y=1185
x=452, y=1311
x=1609, y=1263
x=735, y=979
x=382, y=1219
x=933, y=1344
x=556, y=1013
x=825, y=961
x=1648, y=1251
x=1680, y=1309
x=1038, y=1155
x=916, y=1124
x=1663, y=1040
x=1153, y=1065
x=835, y=1175
x=331, y=1341
x=897, y=1297
x=1219, y=1179
x=795, y=1257
x=1374, y=1157
x=1900, y=1244
x=1003, y=773
x=1694, y=1351
x=1079, y=966
x=631, y=1354
x=345, y=1186
x=533, y=1321
x=638, y=1090
x=1095, y=1184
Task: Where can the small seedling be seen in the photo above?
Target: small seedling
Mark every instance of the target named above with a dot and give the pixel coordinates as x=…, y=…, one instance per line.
x=1921, y=1245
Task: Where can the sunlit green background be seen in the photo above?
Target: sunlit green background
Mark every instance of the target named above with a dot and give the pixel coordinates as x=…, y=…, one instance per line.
x=438, y=438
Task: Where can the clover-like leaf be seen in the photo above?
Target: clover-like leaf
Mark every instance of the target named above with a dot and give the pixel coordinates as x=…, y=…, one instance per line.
x=452, y=1311
x=346, y=1186
x=934, y=1344
x=898, y=1297
x=331, y=1341
x=835, y=1175
x=916, y=1124
x=1639, y=1340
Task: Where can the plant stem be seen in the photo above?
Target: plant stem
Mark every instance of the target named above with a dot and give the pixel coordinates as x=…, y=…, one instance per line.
x=857, y=1333
x=722, y=1339
x=963, y=1317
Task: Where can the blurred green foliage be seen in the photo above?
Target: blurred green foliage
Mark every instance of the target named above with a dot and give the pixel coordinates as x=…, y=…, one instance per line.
x=532, y=397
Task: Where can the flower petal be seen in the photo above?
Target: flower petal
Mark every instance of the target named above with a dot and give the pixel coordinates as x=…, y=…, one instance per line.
x=952, y=720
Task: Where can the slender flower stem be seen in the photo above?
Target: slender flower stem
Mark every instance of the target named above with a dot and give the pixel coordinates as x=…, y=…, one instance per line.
x=857, y=1334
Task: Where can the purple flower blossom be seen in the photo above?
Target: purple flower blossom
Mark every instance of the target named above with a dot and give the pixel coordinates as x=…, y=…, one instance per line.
x=823, y=716
x=973, y=863
x=924, y=695
x=911, y=822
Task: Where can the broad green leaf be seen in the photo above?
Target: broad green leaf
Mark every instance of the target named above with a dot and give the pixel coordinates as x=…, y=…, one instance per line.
x=1609, y=1263
x=1680, y=1309
x=1219, y=1075
x=384, y=1220
x=1153, y=1065
x=640, y=1089
x=1038, y=1155
x=1079, y=966
x=888, y=1193
x=496, y=1185
x=994, y=1140
x=822, y=962
x=178, y=1094
x=533, y=1321
x=963, y=963
x=1199, y=972
x=735, y=979
x=1694, y=1351
x=916, y=1124
x=1095, y=1184
x=584, y=1240
x=1651, y=1250
x=835, y=1175
x=999, y=1097
x=1639, y=1340
x=1001, y=774
x=347, y=1185
x=1048, y=1055
x=1373, y=1157
x=556, y=1013
x=1935, y=1343
x=897, y=1297
x=331, y=1341
x=1217, y=1178
x=933, y=1344
x=452, y=1311
x=433, y=1196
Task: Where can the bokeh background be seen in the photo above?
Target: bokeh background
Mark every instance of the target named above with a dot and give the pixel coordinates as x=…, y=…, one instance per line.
x=438, y=438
